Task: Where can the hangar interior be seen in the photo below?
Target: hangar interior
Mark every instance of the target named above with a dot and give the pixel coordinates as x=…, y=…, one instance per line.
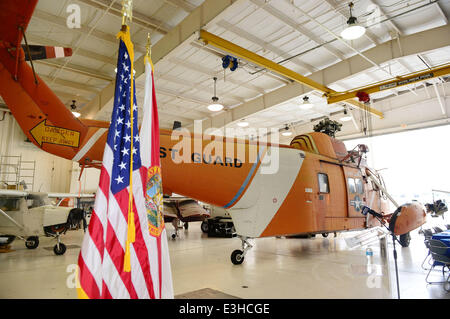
x=402, y=38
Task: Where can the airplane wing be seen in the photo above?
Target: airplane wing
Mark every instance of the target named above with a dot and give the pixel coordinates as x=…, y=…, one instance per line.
x=12, y=193
x=18, y=193
x=176, y=198
x=69, y=195
x=16, y=14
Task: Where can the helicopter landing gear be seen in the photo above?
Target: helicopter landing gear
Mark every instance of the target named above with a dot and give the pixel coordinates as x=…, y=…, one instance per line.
x=237, y=256
x=405, y=239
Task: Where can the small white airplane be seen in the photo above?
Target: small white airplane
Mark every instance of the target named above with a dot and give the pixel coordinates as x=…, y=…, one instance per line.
x=28, y=215
x=180, y=209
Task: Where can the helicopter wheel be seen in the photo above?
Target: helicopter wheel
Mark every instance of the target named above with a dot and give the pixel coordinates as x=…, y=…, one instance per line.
x=405, y=239
x=186, y=225
x=204, y=226
x=325, y=235
x=236, y=257
x=61, y=250
x=32, y=242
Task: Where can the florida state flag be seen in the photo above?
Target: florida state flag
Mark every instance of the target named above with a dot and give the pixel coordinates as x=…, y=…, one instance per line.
x=151, y=173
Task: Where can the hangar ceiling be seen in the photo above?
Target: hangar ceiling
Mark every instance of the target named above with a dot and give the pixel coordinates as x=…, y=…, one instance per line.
x=402, y=37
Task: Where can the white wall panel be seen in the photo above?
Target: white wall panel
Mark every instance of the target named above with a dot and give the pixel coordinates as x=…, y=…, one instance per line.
x=52, y=173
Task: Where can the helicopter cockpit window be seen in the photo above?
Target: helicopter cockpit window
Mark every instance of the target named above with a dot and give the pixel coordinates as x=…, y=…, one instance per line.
x=324, y=187
x=375, y=187
x=9, y=204
x=351, y=185
x=359, y=186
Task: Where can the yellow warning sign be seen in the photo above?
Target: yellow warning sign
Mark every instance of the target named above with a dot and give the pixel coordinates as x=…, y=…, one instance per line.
x=44, y=133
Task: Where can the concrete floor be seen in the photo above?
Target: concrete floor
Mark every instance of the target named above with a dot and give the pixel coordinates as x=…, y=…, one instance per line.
x=274, y=268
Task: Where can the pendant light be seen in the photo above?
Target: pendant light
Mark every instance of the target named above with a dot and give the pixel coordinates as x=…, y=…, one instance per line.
x=306, y=103
x=215, y=106
x=74, y=107
x=242, y=123
x=286, y=132
x=353, y=30
x=346, y=117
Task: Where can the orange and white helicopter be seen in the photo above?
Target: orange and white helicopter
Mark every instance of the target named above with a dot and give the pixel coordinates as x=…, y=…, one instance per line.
x=318, y=188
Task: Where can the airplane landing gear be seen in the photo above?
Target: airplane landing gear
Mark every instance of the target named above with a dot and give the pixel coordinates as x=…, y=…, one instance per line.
x=56, y=232
x=237, y=256
x=59, y=249
x=32, y=242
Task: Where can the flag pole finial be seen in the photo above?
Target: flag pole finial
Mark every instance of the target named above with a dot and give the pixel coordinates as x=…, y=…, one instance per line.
x=149, y=45
x=127, y=12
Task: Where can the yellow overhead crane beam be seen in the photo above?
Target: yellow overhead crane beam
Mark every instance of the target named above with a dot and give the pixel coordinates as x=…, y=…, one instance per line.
x=227, y=46
x=390, y=84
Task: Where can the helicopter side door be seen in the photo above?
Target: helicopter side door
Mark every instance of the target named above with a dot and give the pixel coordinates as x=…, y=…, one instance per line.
x=356, y=198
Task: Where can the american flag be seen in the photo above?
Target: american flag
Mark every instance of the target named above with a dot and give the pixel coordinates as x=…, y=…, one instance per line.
x=102, y=256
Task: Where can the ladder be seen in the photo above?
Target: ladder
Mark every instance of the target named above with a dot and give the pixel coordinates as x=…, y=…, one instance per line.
x=15, y=172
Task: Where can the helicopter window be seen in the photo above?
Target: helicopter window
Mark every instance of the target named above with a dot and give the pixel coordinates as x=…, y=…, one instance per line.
x=323, y=183
x=9, y=204
x=359, y=186
x=351, y=185
x=375, y=187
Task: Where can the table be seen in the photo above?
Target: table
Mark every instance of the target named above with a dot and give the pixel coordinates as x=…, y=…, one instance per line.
x=442, y=235
x=445, y=238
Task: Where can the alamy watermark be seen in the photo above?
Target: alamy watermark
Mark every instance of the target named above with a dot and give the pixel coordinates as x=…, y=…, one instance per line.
x=73, y=21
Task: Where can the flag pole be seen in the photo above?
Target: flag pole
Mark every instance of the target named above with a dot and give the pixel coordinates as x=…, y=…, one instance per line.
x=148, y=55
x=148, y=46
x=127, y=15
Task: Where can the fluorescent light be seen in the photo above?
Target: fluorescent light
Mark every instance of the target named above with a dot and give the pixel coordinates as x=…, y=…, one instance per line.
x=76, y=114
x=242, y=124
x=215, y=107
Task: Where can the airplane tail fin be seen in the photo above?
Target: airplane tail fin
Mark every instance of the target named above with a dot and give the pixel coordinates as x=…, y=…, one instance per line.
x=45, y=120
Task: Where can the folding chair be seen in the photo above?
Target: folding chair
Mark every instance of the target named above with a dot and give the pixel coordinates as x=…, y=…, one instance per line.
x=439, y=253
x=428, y=233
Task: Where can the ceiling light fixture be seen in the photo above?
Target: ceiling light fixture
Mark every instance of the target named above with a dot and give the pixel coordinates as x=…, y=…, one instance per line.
x=242, y=123
x=287, y=132
x=306, y=103
x=353, y=30
x=74, y=107
x=346, y=117
x=215, y=106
